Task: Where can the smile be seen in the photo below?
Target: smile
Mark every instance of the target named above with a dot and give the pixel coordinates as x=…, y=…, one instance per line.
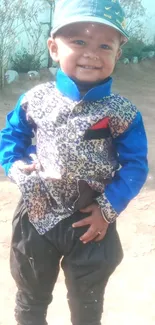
x=88, y=67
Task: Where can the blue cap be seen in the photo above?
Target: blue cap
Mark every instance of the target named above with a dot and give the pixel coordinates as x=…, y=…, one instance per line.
x=107, y=12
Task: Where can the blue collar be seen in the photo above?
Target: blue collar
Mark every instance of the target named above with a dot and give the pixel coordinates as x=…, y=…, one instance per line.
x=69, y=88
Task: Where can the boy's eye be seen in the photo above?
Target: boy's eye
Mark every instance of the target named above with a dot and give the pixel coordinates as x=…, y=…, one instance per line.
x=105, y=47
x=79, y=42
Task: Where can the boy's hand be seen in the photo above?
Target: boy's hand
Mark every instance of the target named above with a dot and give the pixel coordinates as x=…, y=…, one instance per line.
x=28, y=169
x=49, y=174
x=98, y=226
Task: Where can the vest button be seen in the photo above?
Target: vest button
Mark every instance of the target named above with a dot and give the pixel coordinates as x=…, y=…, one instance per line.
x=72, y=136
x=70, y=210
x=100, y=148
x=70, y=176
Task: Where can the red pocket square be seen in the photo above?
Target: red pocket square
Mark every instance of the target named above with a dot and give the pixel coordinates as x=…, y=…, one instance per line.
x=102, y=124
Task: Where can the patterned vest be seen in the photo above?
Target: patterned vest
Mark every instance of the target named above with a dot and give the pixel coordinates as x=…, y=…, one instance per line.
x=69, y=151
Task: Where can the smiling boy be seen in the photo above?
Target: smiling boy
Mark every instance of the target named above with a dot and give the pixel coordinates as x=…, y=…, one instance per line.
x=90, y=162
x=86, y=52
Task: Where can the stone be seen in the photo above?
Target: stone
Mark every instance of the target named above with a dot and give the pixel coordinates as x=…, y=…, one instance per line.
x=34, y=75
x=126, y=61
x=135, y=60
x=11, y=76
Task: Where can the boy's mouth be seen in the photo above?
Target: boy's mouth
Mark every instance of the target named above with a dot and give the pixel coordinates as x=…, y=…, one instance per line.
x=88, y=67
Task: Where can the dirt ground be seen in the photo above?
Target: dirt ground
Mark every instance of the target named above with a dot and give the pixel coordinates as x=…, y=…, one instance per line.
x=130, y=294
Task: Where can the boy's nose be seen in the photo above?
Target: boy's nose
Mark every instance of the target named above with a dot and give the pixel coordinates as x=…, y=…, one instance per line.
x=90, y=54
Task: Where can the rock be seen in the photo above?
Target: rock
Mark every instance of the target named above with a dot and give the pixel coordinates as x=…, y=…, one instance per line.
x=34, y=75
x=135, y=60
x=53, y=70
x=11, y=76
x=126, y=61
x=151, y=54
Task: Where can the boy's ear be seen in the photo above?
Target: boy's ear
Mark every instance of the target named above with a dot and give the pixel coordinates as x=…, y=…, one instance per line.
x=53, y=49
x=119, y=53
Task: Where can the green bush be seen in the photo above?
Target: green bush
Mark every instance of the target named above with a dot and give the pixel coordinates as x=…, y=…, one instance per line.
x=133, y=48
x=149, y=48
x=24, y=62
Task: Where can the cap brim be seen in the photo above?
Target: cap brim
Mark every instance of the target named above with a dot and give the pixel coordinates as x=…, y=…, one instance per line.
x=93, y=20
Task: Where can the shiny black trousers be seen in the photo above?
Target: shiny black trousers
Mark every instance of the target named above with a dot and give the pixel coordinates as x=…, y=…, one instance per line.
x=35, y=262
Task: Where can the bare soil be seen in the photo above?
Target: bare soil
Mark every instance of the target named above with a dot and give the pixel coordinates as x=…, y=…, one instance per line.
x=130, y=294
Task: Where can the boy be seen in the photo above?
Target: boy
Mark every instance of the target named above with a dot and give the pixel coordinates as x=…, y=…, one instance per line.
x=91, y=160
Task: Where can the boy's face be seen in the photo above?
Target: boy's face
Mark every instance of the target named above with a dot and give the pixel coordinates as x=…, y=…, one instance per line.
x=86, y=51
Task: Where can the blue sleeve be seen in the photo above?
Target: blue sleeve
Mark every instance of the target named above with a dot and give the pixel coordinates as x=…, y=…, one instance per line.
x=131, y=148
x=15, y=138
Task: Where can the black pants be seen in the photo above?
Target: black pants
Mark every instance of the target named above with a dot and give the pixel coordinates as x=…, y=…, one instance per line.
x=35, y=262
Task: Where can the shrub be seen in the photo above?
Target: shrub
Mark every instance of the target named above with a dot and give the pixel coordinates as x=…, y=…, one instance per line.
x=149, y=48
x=133, y=48
x=18, y=17
x=24, y=62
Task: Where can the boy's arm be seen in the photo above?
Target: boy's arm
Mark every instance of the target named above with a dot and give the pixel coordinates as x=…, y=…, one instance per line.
x=15, y=138
x=131, y=147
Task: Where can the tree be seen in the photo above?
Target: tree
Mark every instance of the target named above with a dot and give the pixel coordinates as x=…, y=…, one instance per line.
x=135, y=13
x=51, y=3
x=52, y=7
x=15, y=18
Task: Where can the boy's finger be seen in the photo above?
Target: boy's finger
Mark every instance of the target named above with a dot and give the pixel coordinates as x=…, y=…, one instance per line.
x=89, y=235
x=81, y=223
x=87, y=209
x=29, y=167
x=101, y=236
